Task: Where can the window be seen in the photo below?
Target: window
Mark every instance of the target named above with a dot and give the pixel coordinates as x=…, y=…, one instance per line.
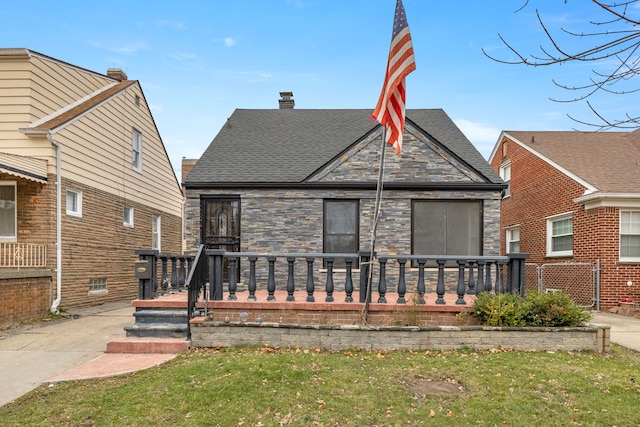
x=8, y=211
x=97, y=286
x=74, y=203
x=341, y=225
x=156, y=232
x=127, y=216
x=446, y=227
x=630, y=235
x=560, y=235
x=137, y=151
x=505, y=174
x=513, y=240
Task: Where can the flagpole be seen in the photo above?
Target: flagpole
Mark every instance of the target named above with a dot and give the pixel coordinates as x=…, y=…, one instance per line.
x=390, y=113
x=374, y=228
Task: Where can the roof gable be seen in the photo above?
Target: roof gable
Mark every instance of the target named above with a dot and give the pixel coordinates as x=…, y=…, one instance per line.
x=294, y=145
x=63, y=117
x=601, y=161
x=422, y=161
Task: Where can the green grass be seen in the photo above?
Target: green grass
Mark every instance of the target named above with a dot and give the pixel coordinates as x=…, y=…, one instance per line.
x=253, y=386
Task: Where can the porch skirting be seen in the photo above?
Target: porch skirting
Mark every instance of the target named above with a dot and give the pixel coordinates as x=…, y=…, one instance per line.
x=208, y=333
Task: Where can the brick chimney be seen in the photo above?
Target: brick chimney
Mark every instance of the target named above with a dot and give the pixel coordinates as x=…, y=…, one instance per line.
x=116, y=74
x=286, y=101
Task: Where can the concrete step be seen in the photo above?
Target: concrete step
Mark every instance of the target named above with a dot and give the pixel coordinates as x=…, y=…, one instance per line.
x=134, y=345
x=157, y=330
x=177, y=316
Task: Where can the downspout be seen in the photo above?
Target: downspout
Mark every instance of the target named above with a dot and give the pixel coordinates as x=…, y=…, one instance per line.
x=56, y=302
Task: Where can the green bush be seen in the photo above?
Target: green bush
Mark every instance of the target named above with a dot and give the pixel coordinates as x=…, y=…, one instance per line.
x=535, y=309
x=553, y=309
x=499, y=309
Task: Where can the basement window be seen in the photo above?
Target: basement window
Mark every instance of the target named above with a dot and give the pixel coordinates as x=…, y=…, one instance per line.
x=97, y=285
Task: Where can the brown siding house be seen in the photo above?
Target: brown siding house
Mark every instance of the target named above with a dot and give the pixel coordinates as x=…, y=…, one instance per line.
x=84, y=181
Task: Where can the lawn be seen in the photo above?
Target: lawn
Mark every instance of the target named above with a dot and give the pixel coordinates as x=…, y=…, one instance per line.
x=262, y=386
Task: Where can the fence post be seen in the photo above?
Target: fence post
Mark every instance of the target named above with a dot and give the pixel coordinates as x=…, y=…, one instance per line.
x=215, y=273
x=147, y=287
x=365, y=259
x=516, y=272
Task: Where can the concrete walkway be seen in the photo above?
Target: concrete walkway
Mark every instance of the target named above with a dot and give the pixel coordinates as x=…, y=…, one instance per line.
x=68, y=349
x=625, y=330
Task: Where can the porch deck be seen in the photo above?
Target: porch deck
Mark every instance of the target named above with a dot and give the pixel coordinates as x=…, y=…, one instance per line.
x=320, y=312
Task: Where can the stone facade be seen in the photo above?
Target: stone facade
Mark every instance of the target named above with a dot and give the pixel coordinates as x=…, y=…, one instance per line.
x=289, y=217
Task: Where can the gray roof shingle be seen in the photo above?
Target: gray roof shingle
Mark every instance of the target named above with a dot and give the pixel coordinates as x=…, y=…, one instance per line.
x=288, y=145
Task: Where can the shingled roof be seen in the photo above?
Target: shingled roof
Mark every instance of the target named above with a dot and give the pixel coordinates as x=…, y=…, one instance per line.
x=607, y=161
x=288, y=145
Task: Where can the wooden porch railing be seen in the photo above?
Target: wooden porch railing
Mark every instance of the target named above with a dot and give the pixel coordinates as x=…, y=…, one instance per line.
x=22, y=255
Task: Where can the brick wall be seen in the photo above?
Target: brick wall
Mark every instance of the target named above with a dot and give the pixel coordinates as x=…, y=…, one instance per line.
x=538, y=191
x=98, y=246
x=26, y=296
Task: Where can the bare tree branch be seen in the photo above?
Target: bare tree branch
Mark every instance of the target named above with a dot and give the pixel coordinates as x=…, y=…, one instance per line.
x=616, y=40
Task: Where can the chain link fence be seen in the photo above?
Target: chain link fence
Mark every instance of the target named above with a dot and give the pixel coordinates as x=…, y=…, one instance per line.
x=579, y=280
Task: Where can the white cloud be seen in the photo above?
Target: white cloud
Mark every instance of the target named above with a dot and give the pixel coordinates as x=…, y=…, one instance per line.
x=123, y=49
x=176, y=25
x=182, y=56
x=229, y=41
x=482, y=136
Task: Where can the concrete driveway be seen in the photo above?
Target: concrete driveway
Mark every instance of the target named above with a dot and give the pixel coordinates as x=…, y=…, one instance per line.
x=625, y=330
x=32, y=355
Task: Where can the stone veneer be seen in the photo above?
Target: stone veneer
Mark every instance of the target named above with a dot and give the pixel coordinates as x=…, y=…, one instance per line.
x=415, y=338
x=291, y=221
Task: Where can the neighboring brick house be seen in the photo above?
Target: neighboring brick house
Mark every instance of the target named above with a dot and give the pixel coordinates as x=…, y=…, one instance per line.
x=574, y=196
x=304, y=180
x=81, y=147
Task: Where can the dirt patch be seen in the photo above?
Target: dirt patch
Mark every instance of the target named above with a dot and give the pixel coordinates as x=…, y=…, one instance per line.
x=430, y=386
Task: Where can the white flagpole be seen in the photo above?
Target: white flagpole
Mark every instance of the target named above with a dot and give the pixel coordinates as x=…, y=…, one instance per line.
x=374, y=228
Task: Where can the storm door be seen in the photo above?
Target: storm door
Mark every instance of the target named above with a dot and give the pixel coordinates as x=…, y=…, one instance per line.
x=221, y=226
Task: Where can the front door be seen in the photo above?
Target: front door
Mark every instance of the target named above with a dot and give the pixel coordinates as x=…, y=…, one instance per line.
x=221, y=225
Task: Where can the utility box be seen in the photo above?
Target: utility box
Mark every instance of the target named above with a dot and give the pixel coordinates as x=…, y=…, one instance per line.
x=143, y=270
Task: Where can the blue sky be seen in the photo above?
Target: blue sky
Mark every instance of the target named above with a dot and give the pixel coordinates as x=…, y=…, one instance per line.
x=197, y=61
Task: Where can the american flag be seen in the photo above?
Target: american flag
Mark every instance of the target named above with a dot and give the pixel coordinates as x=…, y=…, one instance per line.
x=390, y=109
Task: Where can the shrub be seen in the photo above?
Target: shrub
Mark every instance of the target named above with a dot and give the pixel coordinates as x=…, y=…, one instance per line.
x=535, y=309
x=553, y=309
x=499, y=309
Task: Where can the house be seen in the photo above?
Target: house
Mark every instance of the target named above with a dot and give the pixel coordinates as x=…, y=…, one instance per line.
x=84, y=181
x=304, y=181
x=573, y=197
